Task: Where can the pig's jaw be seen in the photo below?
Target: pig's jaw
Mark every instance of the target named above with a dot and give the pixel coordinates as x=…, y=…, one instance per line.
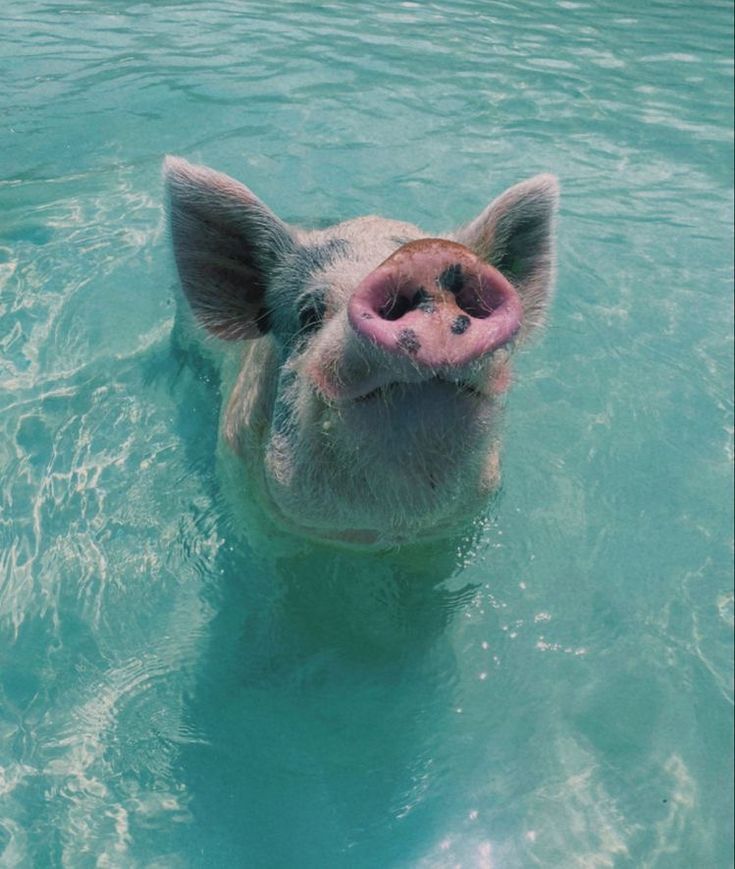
x=350, y=525
x=388, y=390
x=410, y=462
x=380, y=384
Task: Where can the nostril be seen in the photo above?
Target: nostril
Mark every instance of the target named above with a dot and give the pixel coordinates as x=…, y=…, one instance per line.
x=474, y=295
x=476, y=306
x=395, y=307
x=460, y=325
x=473, y=292
x=481, y=297
x=402, y=303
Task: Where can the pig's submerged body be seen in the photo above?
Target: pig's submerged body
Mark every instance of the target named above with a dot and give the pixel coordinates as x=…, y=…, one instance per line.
x=363, y=367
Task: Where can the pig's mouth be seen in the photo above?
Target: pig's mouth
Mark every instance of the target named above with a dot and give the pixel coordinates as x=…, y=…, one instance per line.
x=388, y=391
x=426, y=409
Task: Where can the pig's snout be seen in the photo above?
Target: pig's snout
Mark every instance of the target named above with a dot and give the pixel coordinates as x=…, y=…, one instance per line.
x=436, y=303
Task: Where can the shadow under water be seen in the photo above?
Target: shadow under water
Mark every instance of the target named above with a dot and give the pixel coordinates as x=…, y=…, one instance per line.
x=317, y=701
x=317, y=707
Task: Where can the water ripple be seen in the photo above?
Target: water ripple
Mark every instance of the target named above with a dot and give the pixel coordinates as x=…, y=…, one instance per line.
x=166, y=697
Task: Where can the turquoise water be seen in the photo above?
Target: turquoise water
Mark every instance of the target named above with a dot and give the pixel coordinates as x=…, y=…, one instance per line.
x=168, y=697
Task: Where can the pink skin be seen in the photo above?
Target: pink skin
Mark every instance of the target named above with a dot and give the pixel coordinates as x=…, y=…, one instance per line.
x=432, y=310
x=437, y=304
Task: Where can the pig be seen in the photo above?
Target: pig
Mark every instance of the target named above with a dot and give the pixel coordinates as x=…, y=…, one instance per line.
x=364, y=365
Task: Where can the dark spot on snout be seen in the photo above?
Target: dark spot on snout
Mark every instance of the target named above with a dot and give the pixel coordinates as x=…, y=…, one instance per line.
x=423, y=301
x=460, y=325
x=408, y=340
x=451, y=279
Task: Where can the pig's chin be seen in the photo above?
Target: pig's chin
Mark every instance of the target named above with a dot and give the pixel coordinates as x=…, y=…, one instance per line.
x=408, y=462
x=434, y=389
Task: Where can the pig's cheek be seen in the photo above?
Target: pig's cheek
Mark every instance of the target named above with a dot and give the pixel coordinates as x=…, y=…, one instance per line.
x=313, y=376
x=321, y=374
x=322, y=366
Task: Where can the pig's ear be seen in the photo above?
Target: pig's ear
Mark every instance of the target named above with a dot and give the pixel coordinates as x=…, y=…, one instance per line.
x=226, y=243
x=515, y=233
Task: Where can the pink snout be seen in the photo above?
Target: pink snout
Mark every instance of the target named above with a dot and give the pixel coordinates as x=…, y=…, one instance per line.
x=436, y=303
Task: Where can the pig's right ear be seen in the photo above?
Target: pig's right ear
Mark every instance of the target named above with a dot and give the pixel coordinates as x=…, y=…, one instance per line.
x=515, y=233
x=226, y=243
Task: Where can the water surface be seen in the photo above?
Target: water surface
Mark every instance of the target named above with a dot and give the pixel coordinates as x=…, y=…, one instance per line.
x=565, y=697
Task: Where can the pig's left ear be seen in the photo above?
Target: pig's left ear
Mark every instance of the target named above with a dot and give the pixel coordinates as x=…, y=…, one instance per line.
x=226, y=244
x=515, y=233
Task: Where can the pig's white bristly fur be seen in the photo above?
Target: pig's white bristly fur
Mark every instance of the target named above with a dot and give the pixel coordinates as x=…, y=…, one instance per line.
x=411, y=463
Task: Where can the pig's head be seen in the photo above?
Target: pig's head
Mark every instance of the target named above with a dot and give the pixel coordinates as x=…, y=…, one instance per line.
x=375, y=358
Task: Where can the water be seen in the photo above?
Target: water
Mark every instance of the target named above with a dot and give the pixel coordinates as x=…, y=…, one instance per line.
x=565, y=697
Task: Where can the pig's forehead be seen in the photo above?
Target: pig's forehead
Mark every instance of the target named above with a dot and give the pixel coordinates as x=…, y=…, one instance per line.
x=359, y=245
x=367, y=228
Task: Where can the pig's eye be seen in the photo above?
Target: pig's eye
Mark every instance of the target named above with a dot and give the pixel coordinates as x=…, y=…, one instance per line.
x=310, y=312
